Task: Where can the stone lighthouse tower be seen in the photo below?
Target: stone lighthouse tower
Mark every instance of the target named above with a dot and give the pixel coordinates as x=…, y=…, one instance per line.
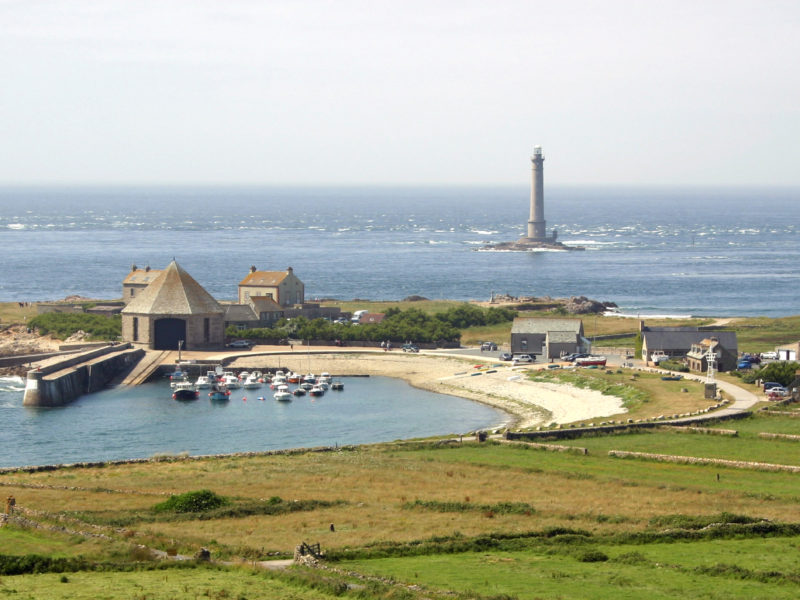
x=537, y=232
x=536, y=224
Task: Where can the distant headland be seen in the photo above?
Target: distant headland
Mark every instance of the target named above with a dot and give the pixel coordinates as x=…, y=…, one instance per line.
x=537, y=238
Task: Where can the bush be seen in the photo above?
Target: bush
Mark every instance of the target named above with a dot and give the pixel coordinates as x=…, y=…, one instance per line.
x=592, y=556
x=63, y=325
x=192, y=502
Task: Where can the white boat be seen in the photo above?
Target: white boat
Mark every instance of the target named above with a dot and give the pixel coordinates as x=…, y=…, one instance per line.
x=316, y=391
x=203, y=382
x=282, y=394
x=299, y=392
x=232, y=382
x=277, y=381
x=337, y=386
x=310, y=378
x=657, y=356
x=243, y=375
x=252, y=383
x=324, y=385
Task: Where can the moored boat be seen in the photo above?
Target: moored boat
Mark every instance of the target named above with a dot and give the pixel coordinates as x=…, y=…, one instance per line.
x=588, y=361
x=252, y=383
x=219, y=391
x=184, y=390
x=316, y=391
x=282, y=394
x=203, y=382
x=337, y=386
x=298, y=392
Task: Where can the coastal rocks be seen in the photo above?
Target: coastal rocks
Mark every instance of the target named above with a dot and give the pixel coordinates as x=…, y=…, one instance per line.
x=581, y=305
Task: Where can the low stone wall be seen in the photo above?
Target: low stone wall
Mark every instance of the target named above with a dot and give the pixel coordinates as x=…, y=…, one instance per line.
x=694, y=460
x=577, y=432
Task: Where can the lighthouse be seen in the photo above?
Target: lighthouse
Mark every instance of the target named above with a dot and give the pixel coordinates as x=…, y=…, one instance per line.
x=537, y=231
x=536, y=238
x=536, y=224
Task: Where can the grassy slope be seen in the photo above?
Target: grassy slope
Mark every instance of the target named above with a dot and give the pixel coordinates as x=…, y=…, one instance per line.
x=595, y=493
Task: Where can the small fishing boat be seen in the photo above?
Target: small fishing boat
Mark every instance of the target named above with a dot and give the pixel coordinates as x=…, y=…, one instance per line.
x=337, y=386
x=282, y=394
x=251, y=383
x=232, y=381
x=277, y=381
x=298, y=392
x=316, y=391
x=203, y=382
x=184, y=390
x=310, y=378
x=306, y=385
x=589, y=361
x=219, y=392
x=293, y=377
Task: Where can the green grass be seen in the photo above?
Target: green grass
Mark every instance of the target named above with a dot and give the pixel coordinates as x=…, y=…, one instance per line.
x=753, y=568
x=178, y=584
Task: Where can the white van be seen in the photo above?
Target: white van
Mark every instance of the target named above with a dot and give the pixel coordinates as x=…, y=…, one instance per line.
x=357, y=315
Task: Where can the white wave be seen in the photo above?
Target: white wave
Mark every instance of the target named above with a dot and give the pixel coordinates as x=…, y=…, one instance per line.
x=640, y=315
x=482, y=232
x=16, y=226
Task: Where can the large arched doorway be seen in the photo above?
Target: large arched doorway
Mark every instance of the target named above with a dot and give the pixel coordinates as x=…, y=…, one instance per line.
x=168, y=332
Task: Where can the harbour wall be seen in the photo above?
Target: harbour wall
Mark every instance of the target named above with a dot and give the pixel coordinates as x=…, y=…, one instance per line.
x=60, y=382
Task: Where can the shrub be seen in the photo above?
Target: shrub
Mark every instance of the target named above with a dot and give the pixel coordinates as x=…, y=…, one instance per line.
x=192, y=502
x=63, y=325
x=592, y=556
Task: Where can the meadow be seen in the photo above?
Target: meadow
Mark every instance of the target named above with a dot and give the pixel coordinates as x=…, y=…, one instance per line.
x=426, y=519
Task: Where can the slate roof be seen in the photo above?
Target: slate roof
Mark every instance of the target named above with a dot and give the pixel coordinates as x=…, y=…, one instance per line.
x=142, y=276
x=538, y=325
x=265, y=278
x=240, y=313
x=265, y=304
x=683, y=339
x=562, y=337
x=173, y=292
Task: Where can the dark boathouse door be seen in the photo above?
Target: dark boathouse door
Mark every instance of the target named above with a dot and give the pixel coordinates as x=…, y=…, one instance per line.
x=168, y=332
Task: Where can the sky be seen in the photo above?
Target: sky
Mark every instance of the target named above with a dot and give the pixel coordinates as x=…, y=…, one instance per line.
x=348, y=92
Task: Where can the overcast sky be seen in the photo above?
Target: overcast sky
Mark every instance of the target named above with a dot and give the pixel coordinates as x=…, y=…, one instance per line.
x=401, y=91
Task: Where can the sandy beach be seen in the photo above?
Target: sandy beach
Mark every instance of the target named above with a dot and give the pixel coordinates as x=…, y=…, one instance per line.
x=527, y=403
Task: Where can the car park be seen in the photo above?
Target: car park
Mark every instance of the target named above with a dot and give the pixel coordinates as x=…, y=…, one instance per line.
x=769, y=355
x=506, y=356
x=240, y=344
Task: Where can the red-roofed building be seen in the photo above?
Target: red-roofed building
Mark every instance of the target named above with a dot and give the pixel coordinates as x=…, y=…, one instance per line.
x=282, y=286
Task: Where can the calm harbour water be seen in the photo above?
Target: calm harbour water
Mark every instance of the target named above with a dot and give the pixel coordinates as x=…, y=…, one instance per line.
x=143, y=421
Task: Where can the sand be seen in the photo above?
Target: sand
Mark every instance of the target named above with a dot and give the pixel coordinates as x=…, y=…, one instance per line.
x=528, y=404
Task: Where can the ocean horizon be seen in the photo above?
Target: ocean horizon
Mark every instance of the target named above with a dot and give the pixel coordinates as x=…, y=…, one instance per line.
x=677, y=251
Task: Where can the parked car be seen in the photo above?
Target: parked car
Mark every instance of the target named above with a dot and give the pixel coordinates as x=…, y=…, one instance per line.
x=574, y=356
x=523, y=358
x=771, y=384
x=743, y=365
x=410, y=348
x=778, y=390
x=506, y=356
x=240, y=344
x=769, y=355
x=489, y=346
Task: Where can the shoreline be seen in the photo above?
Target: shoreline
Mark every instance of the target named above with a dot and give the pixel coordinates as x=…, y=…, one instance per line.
x=528, y=404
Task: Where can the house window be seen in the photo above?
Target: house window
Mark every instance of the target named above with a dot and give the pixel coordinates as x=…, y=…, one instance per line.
x=135, y=328
x=240, y=327
x=524, y=344
x=133, y=292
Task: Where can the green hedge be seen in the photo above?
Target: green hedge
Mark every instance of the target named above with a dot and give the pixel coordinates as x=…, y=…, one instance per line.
x=63, y=325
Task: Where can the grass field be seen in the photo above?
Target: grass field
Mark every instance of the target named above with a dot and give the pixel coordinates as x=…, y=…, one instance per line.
x=483, y=520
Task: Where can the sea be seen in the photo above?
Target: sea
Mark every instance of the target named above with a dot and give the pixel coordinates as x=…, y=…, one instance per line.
x=652, y=251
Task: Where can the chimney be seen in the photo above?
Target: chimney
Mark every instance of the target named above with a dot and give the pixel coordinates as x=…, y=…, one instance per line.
x=147, y=269
x=252, y=268
x=289, y=270
x=133, y=267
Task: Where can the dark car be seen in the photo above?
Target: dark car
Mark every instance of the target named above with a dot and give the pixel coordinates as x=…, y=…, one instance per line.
x=490, y=346
x=506, y=356
x=410, y=348
x=574, y=356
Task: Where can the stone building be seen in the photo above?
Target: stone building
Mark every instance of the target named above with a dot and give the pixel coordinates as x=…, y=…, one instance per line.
x=282, y=286
x=173, y=308
x=551, y=338
x=676, y=342
x=137, y=280
x=697, y=356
